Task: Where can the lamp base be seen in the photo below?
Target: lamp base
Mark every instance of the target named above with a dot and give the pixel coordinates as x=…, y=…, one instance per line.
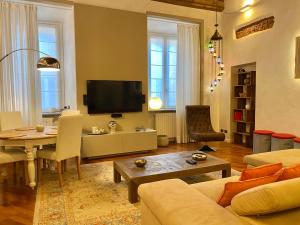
x=206, y=148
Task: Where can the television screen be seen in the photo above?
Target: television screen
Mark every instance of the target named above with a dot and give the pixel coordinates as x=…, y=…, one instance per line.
x=107, y=96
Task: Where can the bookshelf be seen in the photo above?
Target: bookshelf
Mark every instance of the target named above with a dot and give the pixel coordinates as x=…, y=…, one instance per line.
x=243, y=104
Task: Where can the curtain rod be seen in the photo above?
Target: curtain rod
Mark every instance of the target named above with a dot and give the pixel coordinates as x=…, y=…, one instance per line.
x=176, y=21
x=50, y=4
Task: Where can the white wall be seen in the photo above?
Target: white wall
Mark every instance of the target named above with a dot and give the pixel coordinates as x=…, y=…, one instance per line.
x=65, y=16
x=278, y=93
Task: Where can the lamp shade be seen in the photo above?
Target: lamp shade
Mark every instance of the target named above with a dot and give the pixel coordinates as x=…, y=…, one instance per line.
x=48, y=64
x=155, y=103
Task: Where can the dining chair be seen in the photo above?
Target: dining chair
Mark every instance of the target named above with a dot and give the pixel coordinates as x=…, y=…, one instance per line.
x=68, y=144
x=11, y=153
x=10, y=120
x=13, y=156
x=65, y=112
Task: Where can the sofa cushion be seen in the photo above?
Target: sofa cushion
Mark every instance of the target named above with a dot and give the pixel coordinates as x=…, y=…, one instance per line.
x=173, y=202
x=268, y=198
x=261, y=171
x=233, y=188
x=289, y=157
x=290, y=173
x=214, y=188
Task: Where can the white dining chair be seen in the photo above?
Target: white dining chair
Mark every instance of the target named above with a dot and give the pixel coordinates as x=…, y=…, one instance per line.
x=9, y=154
x=12, y=156
x=70, y=112
x=68, y=144
x=11, y=120
x=65, y=112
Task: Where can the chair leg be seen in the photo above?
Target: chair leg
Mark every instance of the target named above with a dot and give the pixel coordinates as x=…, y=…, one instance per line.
x=14, y=169
x=65, y=165
x=44, y=163
x=62, y=166
x=59, y=164
x=38, y=168
x=26, y=178
x=77, y=158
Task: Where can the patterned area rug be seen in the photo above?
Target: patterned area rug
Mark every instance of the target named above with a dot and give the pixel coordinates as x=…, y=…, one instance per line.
x=95, y=199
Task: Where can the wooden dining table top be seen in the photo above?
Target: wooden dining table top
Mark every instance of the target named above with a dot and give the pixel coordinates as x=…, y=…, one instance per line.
x=28, y=133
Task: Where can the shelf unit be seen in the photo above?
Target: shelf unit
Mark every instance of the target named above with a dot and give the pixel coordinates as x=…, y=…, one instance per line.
x=243, y=105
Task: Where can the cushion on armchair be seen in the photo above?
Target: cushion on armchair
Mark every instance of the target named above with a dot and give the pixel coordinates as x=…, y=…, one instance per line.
x=269, y=198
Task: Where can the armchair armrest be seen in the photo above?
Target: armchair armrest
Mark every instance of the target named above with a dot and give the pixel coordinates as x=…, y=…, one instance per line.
x=173, y=202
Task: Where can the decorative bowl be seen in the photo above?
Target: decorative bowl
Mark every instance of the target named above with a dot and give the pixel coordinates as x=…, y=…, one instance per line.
x=40, y=128
x=199, y=156
x=140, y=162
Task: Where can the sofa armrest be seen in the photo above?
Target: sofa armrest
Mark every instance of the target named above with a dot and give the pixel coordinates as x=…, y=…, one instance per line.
x=173, y=202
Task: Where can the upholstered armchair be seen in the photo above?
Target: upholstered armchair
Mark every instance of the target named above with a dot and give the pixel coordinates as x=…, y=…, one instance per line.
x=199, y=125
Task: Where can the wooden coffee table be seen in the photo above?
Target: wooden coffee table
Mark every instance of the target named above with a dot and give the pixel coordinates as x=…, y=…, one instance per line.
x=162, y=167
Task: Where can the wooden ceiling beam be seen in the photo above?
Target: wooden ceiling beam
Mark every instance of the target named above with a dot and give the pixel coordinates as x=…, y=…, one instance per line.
x=199, y=4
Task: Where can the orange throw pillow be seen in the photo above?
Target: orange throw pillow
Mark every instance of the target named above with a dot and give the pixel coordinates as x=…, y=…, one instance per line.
x=290, y=173
x=234, y=188
x=261, y=171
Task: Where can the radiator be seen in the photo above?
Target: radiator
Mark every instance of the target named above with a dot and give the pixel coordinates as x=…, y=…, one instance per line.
x=165, y=124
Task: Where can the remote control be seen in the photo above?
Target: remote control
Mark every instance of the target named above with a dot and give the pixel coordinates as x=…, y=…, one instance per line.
x=191, y=161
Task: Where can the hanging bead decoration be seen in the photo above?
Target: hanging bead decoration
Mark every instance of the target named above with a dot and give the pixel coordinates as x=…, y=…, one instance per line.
x=215, y=48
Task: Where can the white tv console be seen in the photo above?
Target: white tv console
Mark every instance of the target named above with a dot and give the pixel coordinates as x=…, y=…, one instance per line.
x=118, y=143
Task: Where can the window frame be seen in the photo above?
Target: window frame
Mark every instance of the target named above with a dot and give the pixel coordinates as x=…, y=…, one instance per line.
x=165, y=64
x=60, y=51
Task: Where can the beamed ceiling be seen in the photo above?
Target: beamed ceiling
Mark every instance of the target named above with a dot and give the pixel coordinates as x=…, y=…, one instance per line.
x=199, y=4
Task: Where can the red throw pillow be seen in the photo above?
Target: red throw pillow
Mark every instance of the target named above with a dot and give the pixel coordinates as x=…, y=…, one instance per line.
x=233, y=188
x=261, y=171
x=290, y=173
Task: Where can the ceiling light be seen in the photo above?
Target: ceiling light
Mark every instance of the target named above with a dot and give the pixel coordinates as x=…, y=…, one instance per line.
x=215, y=48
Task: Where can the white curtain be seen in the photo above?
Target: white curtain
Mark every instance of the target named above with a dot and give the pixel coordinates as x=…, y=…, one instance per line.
x=188, y=75
x=19, y=80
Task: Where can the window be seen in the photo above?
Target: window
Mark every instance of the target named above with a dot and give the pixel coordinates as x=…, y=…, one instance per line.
x=162, y=68
x=51, y=82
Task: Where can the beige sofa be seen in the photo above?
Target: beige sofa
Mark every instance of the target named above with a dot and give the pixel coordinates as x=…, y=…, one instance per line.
x=173, y=202
x=288, y=157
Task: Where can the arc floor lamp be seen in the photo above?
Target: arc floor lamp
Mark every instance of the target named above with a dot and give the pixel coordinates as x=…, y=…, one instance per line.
x=47, y=63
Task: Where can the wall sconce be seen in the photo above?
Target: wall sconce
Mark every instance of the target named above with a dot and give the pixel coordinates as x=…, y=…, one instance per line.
x=248, y=2
x=245, y=8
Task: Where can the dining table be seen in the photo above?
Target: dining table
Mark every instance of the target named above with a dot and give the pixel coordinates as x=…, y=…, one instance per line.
x=31, y=140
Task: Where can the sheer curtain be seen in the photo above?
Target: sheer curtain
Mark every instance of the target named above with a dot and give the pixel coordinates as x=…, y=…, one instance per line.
x=188, y=75
x=19, y=80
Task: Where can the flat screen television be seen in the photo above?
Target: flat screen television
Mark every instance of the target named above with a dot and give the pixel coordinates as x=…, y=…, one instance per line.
x=107, y=96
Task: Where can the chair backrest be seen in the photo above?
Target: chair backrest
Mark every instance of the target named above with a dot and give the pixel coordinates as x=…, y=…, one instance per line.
x=10, y=120
x=69, y=132
x=198, y=119
x=70, y=112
